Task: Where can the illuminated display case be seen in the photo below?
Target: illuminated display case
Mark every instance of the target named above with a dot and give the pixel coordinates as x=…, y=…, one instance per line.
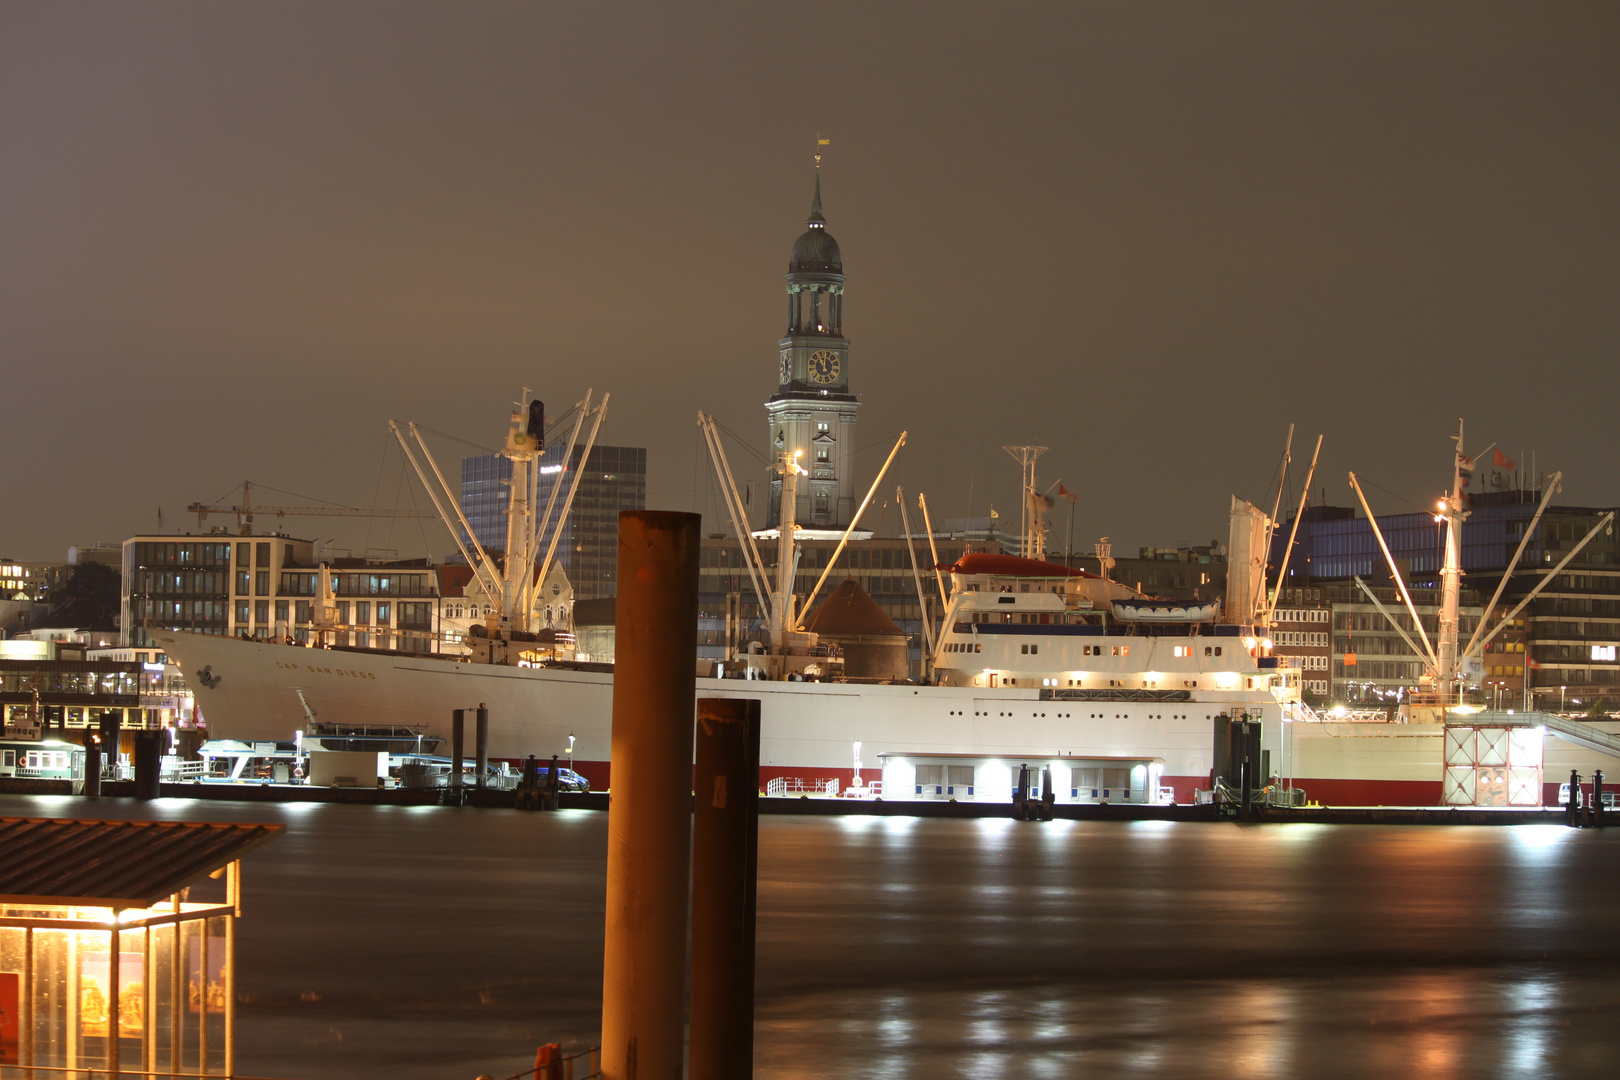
x=117, y=946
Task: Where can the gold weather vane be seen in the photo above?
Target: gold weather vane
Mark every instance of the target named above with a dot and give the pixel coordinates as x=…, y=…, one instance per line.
x=820, y=142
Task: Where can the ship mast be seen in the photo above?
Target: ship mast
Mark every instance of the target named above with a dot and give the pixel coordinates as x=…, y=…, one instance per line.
x=1032, y=526
x=1453, y=514
x=782, y=617
x=525, y=441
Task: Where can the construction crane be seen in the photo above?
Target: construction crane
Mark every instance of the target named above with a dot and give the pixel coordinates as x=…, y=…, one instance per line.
x=245, y=511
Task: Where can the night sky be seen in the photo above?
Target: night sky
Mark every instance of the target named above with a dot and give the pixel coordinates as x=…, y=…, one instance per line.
x=236, y=239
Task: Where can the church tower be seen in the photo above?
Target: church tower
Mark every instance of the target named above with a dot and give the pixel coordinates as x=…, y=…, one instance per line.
x=813, y=410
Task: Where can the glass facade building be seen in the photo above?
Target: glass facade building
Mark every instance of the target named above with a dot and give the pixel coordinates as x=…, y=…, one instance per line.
x=614, y=478
x=484, y=480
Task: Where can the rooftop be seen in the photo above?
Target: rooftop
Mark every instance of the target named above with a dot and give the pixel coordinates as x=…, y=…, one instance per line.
x=116, y=863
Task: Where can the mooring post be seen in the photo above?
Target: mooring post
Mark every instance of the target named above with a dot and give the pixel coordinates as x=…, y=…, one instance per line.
x=111, y=729
x=1597, y=798
x=1243, y=784
x=92, y=765
x=457, y=731
x=1572, y=808
x=148, y=763
x=650, y=801
x=725, y=845
x=481, y=745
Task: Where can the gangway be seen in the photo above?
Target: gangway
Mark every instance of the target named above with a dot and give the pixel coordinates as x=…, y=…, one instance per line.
x=1585, y=735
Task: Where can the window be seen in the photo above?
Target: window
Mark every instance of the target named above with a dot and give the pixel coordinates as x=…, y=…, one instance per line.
x=241, y=614
x=244, y=582
x=383, y=612
x=261, y=583
x=261, y=612
x=281, y=611
x=262, y=555
x=931, y=777
x=362, y=612
x=244, y=555
x=301, y=611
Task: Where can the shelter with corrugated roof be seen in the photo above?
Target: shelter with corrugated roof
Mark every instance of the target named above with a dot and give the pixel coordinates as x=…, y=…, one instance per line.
x=117, y=944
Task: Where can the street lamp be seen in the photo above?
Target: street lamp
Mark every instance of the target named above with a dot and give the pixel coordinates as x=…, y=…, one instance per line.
x=570, y=751
x=1561, y=691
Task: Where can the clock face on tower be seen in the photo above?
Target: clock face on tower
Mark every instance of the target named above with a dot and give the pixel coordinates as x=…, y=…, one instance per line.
x=824, y=366
x=787, y=367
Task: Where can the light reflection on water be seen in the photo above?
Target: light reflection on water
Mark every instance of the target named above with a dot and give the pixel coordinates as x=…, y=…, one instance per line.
x=434, y=943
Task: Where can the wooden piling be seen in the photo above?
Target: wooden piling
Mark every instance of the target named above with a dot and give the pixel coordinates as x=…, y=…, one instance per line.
x=725, y=846
x=481, y=745
x=457, y=734
x=649, y=815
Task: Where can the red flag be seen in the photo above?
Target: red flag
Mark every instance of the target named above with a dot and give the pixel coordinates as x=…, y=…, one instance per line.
x=1502, y=461
x=1065, y=493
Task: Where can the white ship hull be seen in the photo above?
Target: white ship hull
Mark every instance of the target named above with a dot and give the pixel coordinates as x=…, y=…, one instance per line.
x=809, y=730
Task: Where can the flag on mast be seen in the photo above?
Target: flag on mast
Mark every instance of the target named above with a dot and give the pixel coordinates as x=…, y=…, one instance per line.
x=1065, y=493
x=1502, y=461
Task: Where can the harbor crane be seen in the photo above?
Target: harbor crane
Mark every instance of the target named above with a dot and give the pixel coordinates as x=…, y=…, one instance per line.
x=245, y=511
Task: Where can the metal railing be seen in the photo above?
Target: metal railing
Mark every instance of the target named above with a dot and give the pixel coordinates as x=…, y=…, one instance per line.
x=1583, y=734
x=81, y=1072
x=550, y=1063
x=798, y=785
x=179, y=770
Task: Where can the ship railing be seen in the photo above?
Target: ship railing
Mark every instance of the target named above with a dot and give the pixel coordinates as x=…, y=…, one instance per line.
x=175, y=770
x=1273, y=794
x=786, y=786
x=1301, y=713
x=1115, y=695
x=25, y=773
x=335, y=730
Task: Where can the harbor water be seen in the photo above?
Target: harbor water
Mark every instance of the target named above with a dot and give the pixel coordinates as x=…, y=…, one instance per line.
x=441, y=943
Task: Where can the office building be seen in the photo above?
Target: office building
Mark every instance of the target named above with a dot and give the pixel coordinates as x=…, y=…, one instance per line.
x=612, y=478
